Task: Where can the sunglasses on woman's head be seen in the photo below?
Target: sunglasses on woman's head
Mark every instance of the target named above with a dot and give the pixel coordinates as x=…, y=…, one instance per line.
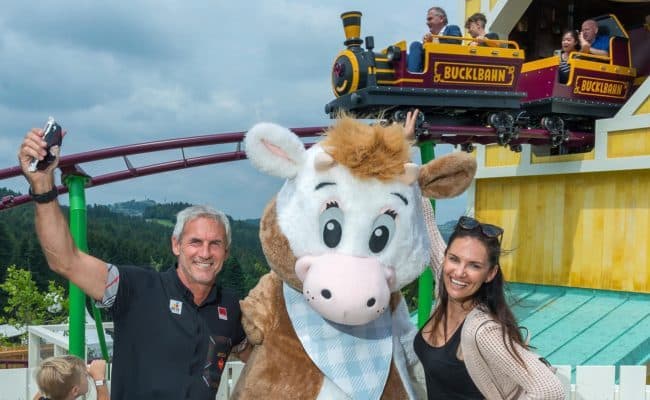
x=489, y=230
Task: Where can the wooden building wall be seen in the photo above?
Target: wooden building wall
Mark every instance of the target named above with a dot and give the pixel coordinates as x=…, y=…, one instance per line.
x=580, y=220
x=581, y=230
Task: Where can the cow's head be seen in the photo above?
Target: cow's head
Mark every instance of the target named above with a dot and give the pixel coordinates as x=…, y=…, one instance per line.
x=347, y=227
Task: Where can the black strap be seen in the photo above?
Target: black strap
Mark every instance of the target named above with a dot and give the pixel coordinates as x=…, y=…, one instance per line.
x=44, y=197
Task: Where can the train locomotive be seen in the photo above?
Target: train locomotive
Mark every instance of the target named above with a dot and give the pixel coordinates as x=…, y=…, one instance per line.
x=483, y=94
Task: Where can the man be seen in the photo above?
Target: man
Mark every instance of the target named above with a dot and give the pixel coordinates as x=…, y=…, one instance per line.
x=437, y=23
x=173, y=330
x=475, y=26
x=591, y=42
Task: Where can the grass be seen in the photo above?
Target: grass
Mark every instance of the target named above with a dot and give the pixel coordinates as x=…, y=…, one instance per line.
x=163, y=222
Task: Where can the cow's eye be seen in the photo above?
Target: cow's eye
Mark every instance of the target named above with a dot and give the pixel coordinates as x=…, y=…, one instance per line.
x=382, y=231
x=331, y=225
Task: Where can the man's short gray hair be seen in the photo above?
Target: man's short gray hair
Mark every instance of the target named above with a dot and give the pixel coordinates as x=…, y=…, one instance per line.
x=202, y=211
x=441, y=11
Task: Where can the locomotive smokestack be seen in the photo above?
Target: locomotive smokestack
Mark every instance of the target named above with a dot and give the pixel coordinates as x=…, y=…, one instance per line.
x=352, y=26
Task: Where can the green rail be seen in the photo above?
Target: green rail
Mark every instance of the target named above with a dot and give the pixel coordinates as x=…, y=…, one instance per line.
x=425, y=282
x=78, y=228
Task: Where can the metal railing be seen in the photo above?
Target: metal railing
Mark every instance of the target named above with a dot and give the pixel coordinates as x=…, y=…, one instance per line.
x=592, y=382
x=6, y=364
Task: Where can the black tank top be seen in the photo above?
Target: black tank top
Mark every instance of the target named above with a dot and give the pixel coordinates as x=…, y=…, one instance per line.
x=446, y=376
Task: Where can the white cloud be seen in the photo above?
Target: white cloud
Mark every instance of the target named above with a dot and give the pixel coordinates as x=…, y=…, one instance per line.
x=118, y=73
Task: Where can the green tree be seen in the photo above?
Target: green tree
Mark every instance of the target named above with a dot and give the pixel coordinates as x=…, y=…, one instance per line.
x=253, y=275
x=156, y=264
x=410, y=293
x=27, y=305
x=30, y=256
x=7, y=245
x=165, y=211
x=231, y=276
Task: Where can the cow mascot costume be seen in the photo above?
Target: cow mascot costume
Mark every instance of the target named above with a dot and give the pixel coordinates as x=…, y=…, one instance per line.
x=345, y=233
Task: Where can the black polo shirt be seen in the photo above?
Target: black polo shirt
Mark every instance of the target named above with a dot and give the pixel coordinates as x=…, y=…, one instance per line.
x=165, y=346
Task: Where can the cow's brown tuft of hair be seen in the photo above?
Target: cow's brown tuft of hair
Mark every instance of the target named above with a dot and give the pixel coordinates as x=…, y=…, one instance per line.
x=369, y=151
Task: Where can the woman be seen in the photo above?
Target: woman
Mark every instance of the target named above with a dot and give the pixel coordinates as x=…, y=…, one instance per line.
x=570, y=42
x=471, y=347
x=66, y=378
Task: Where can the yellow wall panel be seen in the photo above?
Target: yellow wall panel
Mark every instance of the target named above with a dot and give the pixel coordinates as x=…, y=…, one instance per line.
x=611, y=257
x=583, y=230
x=632, y=142
x=493, y=3
x=499, y=156
x=471, y=7
x=561, y=158
x=645, y=107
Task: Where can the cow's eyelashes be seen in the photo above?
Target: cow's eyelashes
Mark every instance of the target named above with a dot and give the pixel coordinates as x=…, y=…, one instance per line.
x=332, y=203
x=383, y=229
x=331, y=224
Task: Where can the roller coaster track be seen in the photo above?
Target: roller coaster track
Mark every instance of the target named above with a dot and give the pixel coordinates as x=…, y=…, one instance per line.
x=454, y=135
x=70, y=164
x=486, y=135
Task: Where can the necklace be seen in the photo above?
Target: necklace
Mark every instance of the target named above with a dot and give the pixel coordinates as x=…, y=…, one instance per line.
x=457, y=315
x=440, y=334
x=455, y=324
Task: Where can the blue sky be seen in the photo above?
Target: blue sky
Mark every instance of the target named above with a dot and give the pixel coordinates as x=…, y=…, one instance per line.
x=117, y=73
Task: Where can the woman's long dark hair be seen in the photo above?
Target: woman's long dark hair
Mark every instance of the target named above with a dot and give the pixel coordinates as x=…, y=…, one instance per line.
x=490, y=297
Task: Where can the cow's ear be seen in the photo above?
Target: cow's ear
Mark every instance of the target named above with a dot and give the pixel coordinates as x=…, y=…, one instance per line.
x=447, y=176
x=275, y=150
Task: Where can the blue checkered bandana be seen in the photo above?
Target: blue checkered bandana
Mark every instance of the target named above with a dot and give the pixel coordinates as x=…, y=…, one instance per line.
x=356, y=358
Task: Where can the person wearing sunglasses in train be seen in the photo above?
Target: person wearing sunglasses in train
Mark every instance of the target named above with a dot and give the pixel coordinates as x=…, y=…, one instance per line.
x=471, y=347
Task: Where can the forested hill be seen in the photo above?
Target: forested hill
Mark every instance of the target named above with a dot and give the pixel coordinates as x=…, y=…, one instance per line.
x=138, y=233
x=134, y=232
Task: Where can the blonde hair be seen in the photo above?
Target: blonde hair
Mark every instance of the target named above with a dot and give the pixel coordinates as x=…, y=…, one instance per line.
x=56, y=376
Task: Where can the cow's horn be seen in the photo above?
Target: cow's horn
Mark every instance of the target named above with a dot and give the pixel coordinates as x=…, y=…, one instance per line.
x=410, y=174
x=323, y=161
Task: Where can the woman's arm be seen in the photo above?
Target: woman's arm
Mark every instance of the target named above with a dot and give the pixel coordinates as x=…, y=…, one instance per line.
x=536, y=380
x=437, y=243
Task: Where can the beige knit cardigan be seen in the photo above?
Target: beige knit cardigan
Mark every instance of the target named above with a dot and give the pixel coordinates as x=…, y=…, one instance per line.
x=495, y=372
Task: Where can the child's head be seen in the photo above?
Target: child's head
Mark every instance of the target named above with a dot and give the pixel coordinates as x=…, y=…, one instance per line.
x=63, y=377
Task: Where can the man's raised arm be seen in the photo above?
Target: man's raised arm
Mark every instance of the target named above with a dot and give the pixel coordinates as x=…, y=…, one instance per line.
x=63, y=256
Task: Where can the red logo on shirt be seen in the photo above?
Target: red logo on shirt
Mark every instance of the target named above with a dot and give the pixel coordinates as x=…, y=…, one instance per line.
x=223, y=313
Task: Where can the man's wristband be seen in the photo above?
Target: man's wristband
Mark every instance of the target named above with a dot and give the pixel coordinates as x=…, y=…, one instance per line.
x=100, y=382
x=44, y=197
